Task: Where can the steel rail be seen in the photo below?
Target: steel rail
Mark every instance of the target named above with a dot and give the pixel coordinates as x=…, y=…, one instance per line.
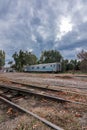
x=48, y=88
x=48, y=123
x=41, y=95
x=33, y=86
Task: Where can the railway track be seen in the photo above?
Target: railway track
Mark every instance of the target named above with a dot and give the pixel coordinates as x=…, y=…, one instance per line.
x=59, y=88
x=17, y=91
x=56, y=91
x=41, y=94
x=45, y=91
x=46, y=122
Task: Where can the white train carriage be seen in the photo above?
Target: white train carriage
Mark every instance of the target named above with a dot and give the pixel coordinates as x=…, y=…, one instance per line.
x=49, y=67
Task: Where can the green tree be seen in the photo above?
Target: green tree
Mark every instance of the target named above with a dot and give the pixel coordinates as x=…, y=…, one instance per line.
x=2, y=58
x=50, y=56
x=29, y=58
x=64, y=65
x=10, y=63
x=83, y=57
x=76, y=64
x=23, y=58
x=70, y=65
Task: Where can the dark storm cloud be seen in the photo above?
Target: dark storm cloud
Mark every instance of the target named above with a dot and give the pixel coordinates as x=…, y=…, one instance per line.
x=36, y=25
x=74, y=45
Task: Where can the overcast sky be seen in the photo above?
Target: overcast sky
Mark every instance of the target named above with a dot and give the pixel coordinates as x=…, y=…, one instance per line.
x=37, y=25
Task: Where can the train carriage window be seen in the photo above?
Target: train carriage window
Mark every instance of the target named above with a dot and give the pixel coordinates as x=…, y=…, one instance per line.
x=50, y=65
x=44, y=67
x=37, y=67
x=32, y=67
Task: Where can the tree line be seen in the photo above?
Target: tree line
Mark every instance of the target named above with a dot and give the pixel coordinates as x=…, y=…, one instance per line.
x=2, y=58
x=23, y=58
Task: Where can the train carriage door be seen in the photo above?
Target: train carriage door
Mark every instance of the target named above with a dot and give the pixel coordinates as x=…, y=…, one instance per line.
x=57, y=67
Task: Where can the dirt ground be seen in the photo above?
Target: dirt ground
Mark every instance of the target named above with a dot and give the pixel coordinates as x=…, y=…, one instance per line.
x=11, y=119
x=69, y=117
x=55, y=81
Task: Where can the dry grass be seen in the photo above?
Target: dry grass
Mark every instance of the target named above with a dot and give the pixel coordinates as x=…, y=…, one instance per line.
x=27, y=123
x=67, y=116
